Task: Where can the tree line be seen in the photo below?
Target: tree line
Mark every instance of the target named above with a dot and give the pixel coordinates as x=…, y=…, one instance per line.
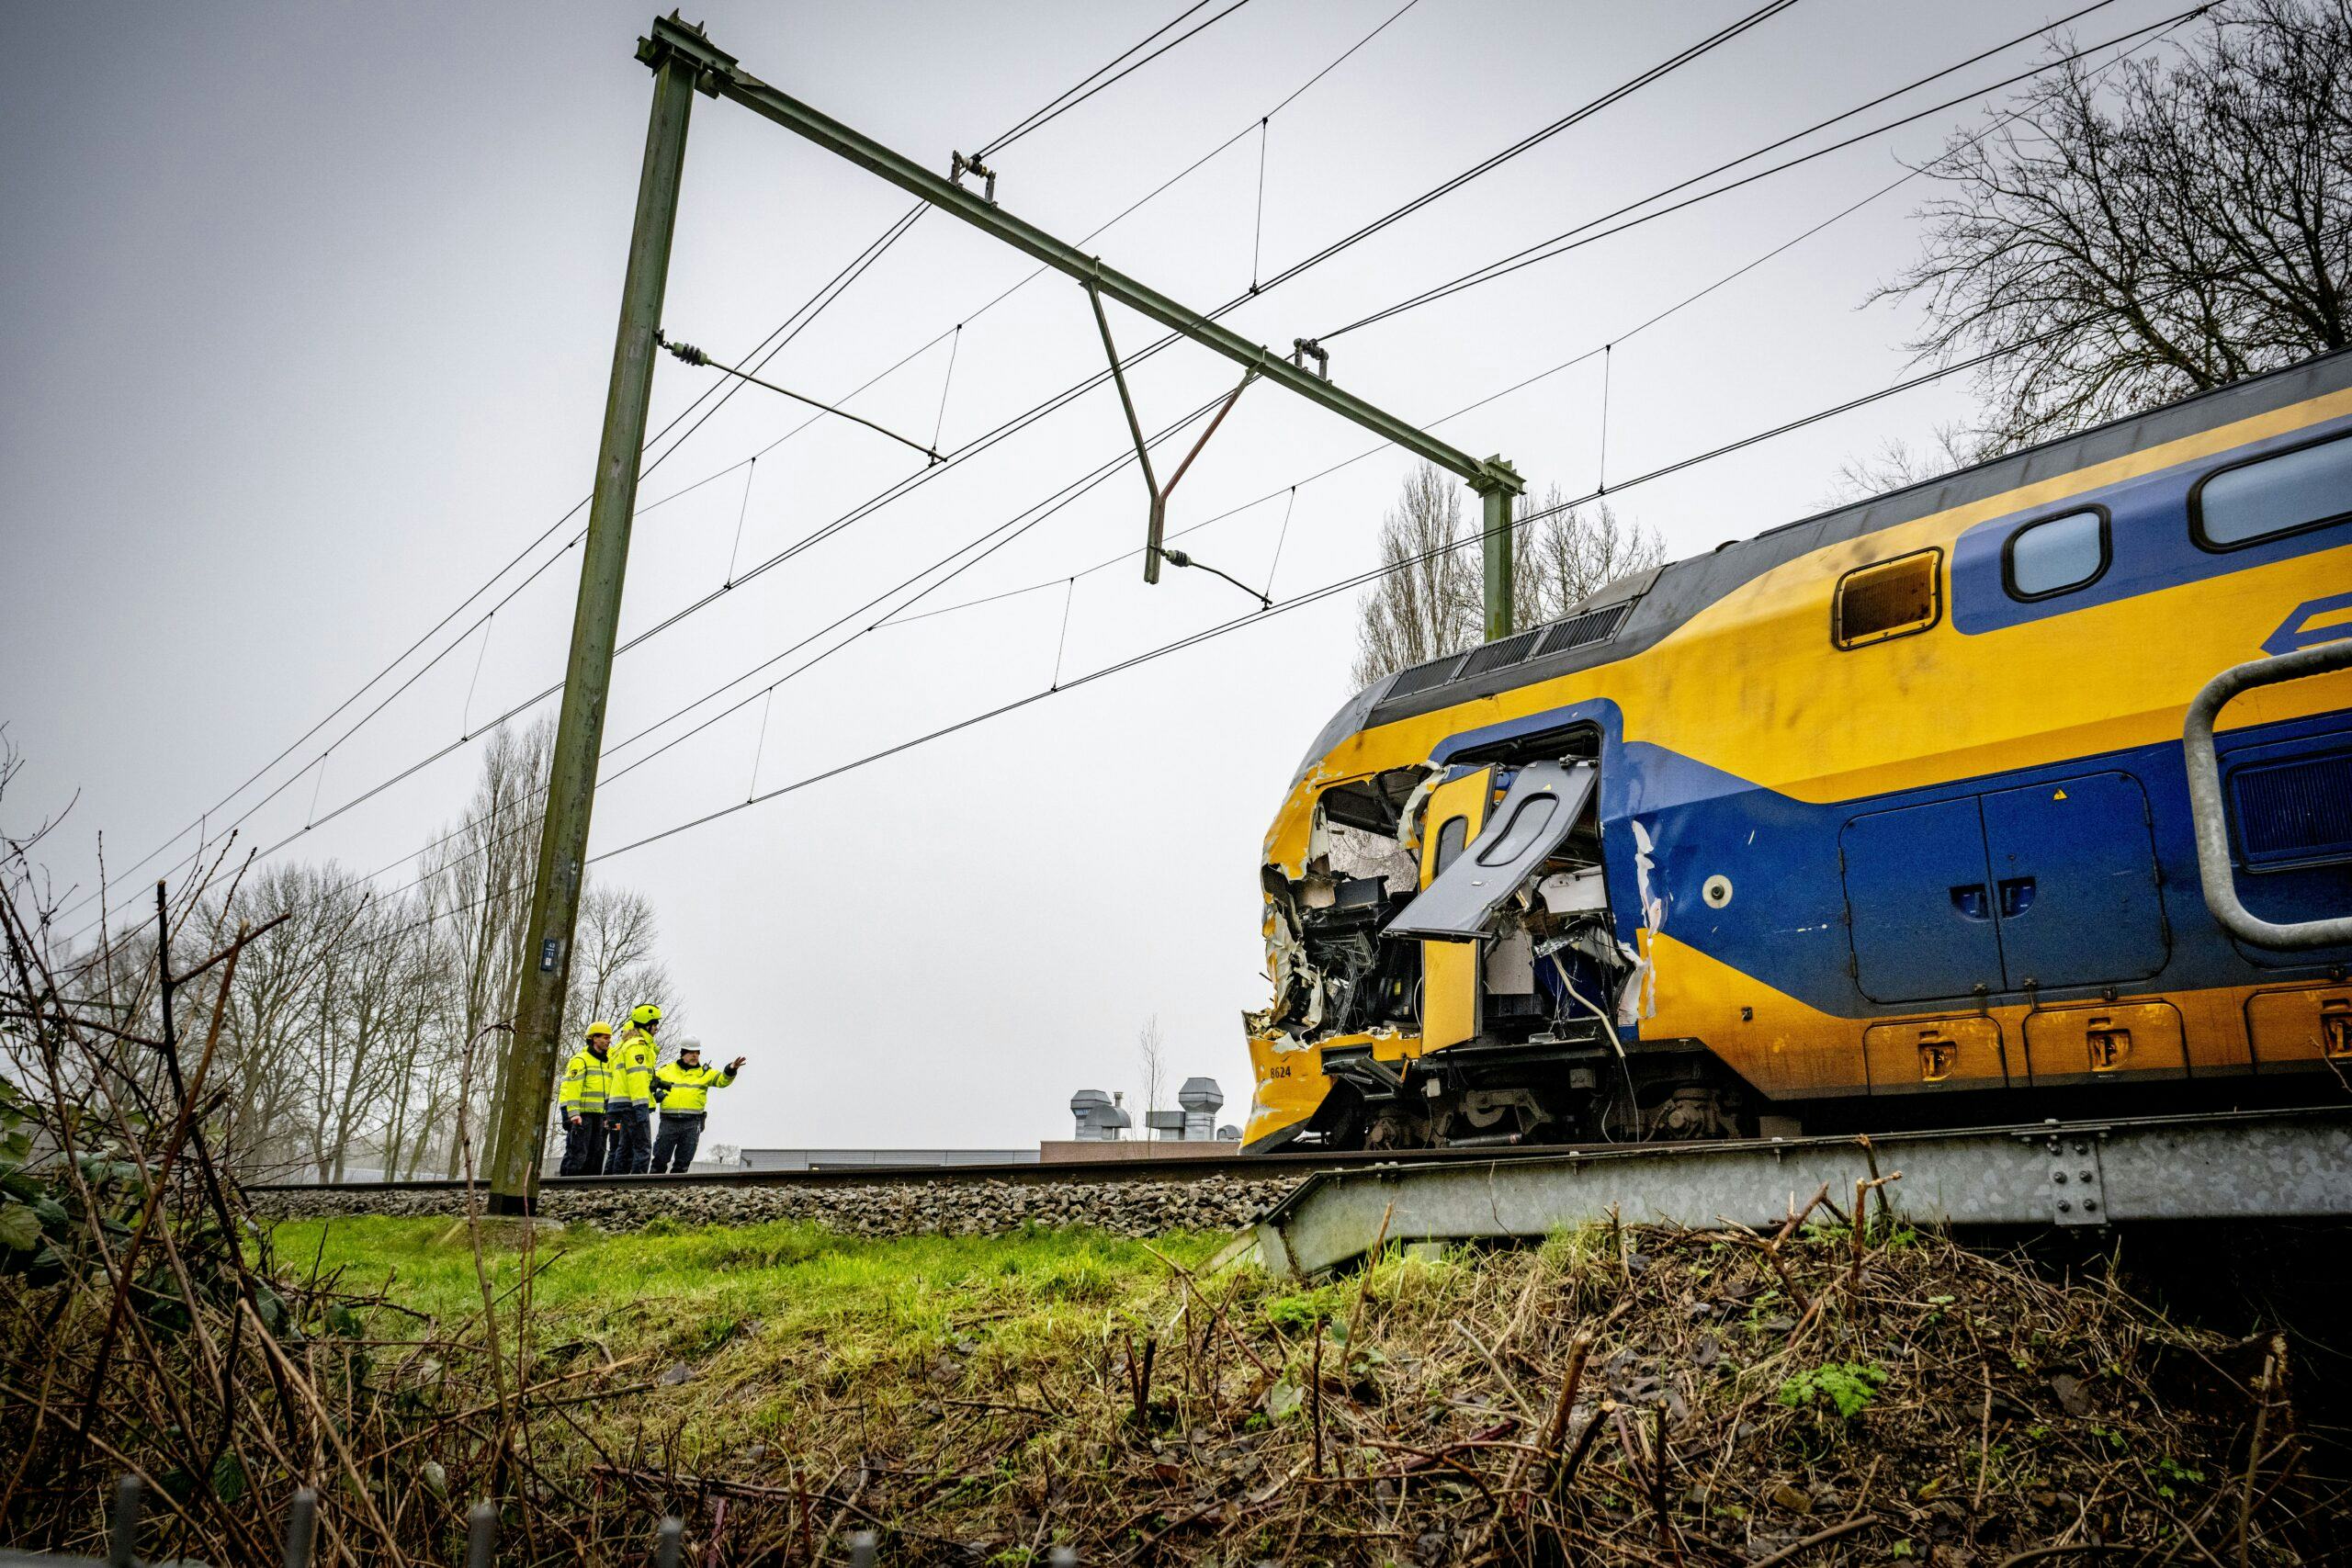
x=358, y=1038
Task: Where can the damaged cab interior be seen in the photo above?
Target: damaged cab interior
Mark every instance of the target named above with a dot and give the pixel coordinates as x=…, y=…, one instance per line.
x=1451, y=959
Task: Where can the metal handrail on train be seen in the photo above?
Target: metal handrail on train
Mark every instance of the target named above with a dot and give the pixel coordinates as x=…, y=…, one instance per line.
x=2211, y=813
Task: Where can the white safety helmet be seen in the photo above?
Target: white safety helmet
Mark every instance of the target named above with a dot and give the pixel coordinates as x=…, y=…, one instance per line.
x=689, y=1043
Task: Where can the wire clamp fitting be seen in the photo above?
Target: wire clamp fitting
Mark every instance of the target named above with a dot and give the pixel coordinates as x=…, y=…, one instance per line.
x=959, y=165
x=1303, y=349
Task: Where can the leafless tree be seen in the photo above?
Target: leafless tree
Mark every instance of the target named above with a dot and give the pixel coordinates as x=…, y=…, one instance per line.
x=1427, y=604
x=2133, y=233
x=1898, y=463
x=616, y=962
x=1569, y=553
x=479, y=883
x=1432, y=600
x=344, y=1034
x=1151, y=1064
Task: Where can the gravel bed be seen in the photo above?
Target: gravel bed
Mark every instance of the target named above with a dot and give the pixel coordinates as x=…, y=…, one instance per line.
x=898, y=1208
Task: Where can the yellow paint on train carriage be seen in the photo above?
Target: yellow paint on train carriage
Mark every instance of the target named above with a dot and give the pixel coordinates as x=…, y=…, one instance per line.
x=1290, y=1084
x=1785, y=712
x=1751, y=685
x=1791, y=1051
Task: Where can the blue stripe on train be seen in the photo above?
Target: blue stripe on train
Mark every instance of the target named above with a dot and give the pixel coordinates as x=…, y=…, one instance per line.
x=1904, y=903
x=2148, y=538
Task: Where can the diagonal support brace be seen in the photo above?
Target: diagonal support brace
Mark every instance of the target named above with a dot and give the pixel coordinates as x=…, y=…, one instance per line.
x=1153, y=550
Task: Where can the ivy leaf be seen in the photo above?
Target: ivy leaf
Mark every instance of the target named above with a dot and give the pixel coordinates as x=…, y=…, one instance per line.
x=19, y=1227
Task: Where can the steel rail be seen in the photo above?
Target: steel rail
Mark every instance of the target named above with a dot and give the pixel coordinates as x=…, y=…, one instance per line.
x=2325, y=1123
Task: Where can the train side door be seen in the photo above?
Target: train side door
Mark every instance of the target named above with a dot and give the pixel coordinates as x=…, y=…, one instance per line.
x=2074, y=867
x=1920, y=898
x=1456, y=811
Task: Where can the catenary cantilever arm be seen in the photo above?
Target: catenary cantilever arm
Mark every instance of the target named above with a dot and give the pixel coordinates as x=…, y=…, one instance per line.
x=724, y=78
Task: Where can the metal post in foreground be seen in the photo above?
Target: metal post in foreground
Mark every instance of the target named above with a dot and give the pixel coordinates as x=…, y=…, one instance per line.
x=1496, y=483
x=519, y=1120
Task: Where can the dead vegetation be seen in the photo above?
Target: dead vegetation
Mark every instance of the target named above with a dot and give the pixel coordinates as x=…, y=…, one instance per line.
x=1616, y=1397
x=1608, y=1397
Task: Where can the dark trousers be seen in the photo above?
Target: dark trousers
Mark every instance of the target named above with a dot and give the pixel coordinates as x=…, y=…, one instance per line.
x=628, y=1141
x=674, y=1150
x=583, y=1145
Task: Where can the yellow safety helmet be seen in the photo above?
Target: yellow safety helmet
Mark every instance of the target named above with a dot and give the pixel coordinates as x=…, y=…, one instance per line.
x=600, y=1027
x=645, y=1017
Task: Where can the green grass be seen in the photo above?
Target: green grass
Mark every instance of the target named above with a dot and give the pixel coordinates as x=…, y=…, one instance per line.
x=685, y=1292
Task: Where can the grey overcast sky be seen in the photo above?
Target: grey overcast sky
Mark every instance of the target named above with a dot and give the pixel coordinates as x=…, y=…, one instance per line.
x=308, y=314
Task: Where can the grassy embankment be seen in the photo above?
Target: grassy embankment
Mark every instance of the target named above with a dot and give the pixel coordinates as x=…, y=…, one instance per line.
x=1640, y=1396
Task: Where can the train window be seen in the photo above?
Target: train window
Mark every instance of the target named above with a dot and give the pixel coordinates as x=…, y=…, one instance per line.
x=1887, y=598
x=2302, y=488
x=2055, y=554
x=1450, y=839
x=1525, y=823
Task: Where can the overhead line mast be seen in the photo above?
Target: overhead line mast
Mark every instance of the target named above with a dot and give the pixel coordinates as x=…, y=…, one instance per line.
x=684, y=61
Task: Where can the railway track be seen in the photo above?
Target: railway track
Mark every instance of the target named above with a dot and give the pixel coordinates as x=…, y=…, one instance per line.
x=1189, y=1167
x=2318, y=1139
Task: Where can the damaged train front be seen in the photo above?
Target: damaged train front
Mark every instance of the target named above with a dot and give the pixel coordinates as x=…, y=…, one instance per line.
x=1445, y=966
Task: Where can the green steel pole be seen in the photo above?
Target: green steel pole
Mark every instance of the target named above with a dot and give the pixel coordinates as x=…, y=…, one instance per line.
x=1495, y=488
x=535, y=1049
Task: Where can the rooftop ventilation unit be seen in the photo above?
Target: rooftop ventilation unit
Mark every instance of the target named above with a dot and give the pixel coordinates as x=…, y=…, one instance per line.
x=1100, y=1117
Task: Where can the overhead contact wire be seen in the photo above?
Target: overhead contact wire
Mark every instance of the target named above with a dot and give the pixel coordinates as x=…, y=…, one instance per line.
x=1642, y=79
x=1577, y=237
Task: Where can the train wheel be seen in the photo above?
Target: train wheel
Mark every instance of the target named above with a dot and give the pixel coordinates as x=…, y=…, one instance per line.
x=1397, y=1127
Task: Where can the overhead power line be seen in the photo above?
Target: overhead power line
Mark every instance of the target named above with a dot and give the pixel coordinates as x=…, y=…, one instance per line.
x=1644, y=78
x=1356, y=580
x=1577, y=116
x=986, y=544
x=1300, y=601
x=1000, y=298
x=1067, y=102
x=766, y=350
x=1582, y=234
x=1281, y=606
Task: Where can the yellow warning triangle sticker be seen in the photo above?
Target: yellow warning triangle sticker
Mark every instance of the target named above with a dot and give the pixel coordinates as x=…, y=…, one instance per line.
x=2060, y=796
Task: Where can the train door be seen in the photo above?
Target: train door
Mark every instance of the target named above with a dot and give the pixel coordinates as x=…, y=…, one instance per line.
x=1456, y=811
x=2076, y=890
x=1919, y=900
x=2074, y=866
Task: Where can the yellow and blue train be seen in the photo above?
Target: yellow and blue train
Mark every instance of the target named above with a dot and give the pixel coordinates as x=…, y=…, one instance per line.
x=1879, y=818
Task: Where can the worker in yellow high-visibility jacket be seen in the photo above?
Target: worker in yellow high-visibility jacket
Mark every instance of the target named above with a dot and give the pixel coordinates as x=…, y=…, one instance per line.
x=683, y=1087
x=628, y=1124
x=583, y=1095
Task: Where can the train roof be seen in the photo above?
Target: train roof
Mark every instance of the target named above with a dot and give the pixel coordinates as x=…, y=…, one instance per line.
x=1634, y=613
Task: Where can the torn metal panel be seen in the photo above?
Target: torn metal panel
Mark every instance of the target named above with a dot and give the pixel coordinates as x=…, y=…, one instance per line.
x=1535, y=816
